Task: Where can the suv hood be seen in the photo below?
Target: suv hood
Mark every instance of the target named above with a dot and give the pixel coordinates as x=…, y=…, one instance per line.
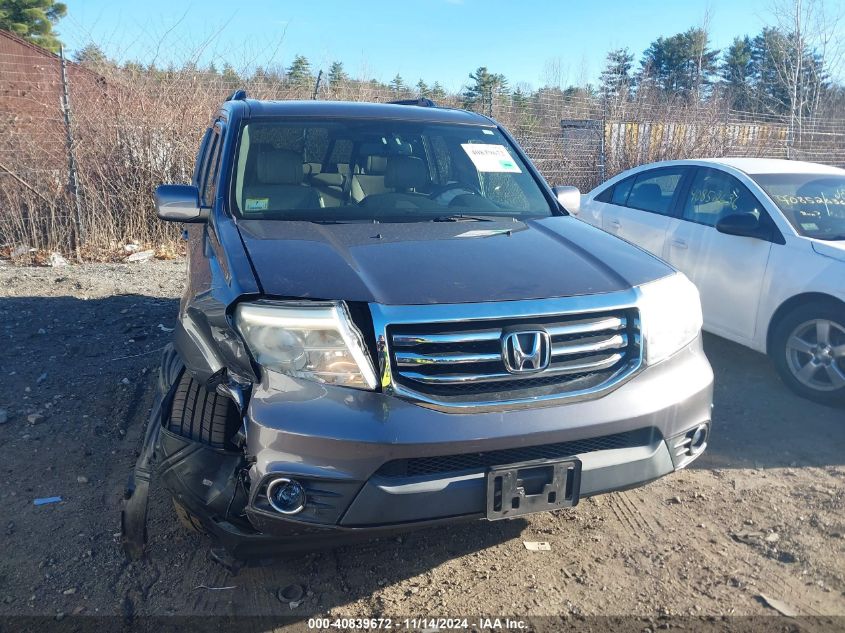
x=443, y=262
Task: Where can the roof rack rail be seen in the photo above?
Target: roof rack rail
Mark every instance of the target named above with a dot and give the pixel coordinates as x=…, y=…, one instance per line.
x=421, y=102
x=238, y=95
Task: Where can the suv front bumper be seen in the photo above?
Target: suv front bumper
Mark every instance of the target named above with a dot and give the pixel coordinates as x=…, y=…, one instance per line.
x=372, y=462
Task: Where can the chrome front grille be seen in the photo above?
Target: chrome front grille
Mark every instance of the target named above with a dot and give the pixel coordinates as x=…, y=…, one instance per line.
x=460, y=363
x=586, y=345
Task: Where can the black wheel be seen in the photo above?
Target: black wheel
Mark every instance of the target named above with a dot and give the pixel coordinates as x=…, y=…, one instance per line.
x=808, y=350
x=188, y=520
x=202, y=415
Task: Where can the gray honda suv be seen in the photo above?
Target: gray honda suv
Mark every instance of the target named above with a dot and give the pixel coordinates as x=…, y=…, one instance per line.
x=391, y=321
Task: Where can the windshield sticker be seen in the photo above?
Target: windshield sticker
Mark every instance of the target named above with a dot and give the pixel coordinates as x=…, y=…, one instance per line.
x=491, y=158
x=809, y=226
x=483, y=233
x=488, y=132
x=257, y=204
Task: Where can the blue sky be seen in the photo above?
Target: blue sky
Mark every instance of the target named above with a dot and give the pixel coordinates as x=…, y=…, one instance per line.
x=539, y=42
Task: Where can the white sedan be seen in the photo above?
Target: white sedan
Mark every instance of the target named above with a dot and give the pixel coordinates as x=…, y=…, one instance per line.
x=764, y=242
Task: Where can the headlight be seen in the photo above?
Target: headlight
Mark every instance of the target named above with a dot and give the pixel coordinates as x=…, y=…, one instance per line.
x=670, y=313
x=318, y=342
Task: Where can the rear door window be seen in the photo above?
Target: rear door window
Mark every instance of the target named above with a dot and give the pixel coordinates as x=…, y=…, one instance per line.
x=654, y=190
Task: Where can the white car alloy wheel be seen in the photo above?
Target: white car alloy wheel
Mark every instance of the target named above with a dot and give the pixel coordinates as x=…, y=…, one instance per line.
x=807, y=346
x=815, y=354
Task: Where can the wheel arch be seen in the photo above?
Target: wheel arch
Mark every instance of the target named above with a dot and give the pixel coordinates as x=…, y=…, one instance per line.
x=793, y=302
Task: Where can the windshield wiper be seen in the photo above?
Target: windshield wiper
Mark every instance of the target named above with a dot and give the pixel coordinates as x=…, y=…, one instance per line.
x=464, y=217
x=359, y=221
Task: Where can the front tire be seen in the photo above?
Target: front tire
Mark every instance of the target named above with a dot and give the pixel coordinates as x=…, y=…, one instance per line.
x=808, y=350
x=202, y=415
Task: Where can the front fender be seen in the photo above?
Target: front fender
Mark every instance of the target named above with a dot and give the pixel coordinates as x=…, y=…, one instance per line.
x=219, y=274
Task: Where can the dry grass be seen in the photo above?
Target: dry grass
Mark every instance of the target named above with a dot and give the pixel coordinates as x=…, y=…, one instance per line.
x=143, y=129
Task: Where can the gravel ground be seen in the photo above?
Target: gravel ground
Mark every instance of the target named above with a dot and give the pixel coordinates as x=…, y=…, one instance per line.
x=761, y=514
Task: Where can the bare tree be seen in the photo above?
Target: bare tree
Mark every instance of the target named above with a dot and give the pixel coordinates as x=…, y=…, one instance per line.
x=701, y=50
x=804, y=50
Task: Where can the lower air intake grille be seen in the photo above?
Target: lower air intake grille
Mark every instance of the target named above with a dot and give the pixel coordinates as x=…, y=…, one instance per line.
x=448, y=464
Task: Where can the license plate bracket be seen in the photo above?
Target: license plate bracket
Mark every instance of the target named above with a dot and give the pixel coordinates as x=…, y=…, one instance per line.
x=535, y=486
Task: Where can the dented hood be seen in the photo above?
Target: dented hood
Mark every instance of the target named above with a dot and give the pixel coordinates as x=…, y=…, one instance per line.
x=443, y=262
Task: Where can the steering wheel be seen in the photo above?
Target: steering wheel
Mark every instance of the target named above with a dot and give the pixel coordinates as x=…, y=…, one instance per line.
x=445, y=193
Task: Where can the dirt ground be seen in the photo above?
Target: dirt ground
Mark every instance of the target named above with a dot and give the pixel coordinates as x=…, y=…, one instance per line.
x=761, y=514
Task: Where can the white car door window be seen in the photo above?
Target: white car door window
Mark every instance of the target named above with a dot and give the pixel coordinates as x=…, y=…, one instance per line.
x=728, y=269
x=641, y=207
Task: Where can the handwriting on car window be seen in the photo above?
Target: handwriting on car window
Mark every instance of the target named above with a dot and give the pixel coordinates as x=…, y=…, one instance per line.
x=822, y=199
x=707, y=196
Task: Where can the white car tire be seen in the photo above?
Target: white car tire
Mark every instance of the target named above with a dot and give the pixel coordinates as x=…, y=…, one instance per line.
x=808, y=350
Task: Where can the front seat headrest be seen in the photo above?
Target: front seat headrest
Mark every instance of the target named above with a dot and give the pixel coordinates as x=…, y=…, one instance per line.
x=376, y=165
x=648, y=191
x=279, y=167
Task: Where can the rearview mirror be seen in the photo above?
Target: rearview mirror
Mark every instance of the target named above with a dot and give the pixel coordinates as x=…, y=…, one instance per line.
x=742, y=224
x=179, y=203
x=569, y=198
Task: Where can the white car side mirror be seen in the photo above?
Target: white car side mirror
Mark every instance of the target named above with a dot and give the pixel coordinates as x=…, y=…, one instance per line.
x=569, y=198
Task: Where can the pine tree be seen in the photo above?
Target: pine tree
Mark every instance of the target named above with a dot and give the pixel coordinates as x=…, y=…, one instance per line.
x=681, y=64
x=91, y=55
x=230, y=75
x=480, y=93
x=437, y=91
x=337, y=75
x=737, y=73
x=615, y=80
x=33, y=20
x=300, y=70
x=525, y=117
x=397, y=84
x=422, y=89
x=777, y=87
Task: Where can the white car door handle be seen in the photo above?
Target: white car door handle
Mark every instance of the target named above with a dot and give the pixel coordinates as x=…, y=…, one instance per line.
x=679, y=243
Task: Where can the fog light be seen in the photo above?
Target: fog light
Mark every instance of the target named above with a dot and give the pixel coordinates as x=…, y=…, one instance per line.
x=286, y=495
x=698, y=440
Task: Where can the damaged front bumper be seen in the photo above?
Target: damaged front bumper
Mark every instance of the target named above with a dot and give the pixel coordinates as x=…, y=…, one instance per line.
x=375, y=464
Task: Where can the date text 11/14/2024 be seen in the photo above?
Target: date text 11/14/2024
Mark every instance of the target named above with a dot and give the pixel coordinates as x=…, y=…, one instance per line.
x=418, y=623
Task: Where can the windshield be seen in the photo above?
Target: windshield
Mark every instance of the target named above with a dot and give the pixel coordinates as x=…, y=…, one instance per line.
x=813, y=203
x=375, y=170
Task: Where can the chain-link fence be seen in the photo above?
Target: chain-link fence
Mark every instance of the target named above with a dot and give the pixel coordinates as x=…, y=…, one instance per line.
x=125, y=132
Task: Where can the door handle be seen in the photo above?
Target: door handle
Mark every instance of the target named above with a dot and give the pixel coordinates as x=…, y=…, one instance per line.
x=614, y=223
x=679, y=243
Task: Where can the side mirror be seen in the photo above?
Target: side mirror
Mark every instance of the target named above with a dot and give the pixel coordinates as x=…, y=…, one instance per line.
x=742, y=224
x=569, y=198
x=179, y=203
